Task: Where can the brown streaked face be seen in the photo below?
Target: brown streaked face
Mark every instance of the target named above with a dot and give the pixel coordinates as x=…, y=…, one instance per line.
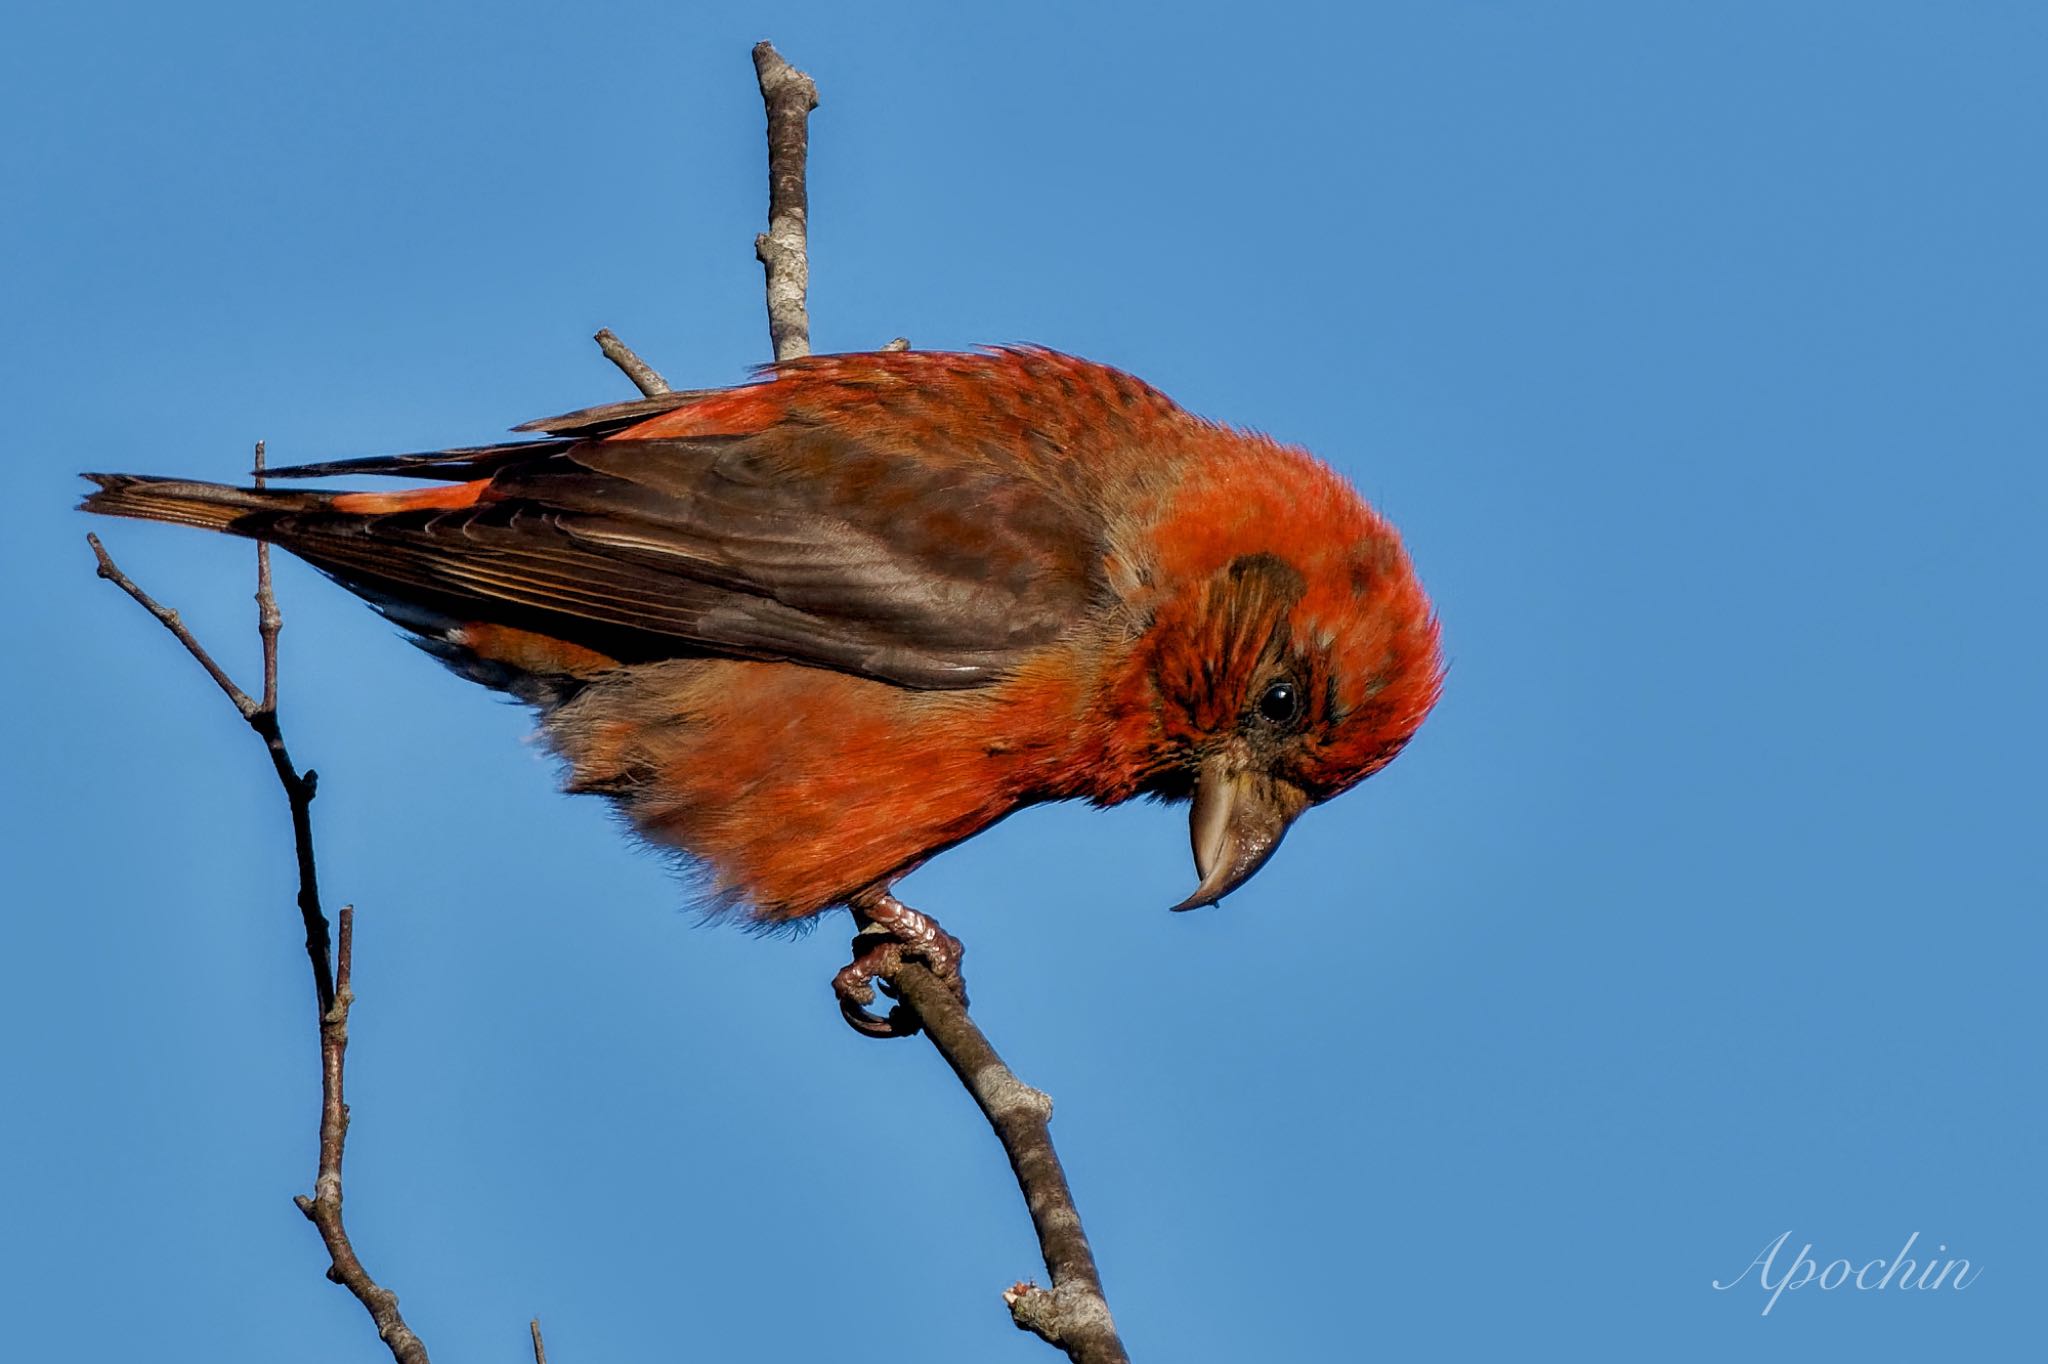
x=1272, y=709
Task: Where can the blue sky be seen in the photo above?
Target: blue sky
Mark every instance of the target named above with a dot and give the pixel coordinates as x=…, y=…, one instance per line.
x=1698, y=350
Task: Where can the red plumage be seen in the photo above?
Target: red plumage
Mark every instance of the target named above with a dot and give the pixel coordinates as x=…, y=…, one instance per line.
x=814, y=629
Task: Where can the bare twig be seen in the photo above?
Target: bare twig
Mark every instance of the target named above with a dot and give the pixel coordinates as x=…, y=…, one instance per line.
x=170, y=620
x=268, y=620
x=299, y=787
x=639, y=371
x=783, y=251
x=1072, y=1314
x=331, y=971
x=323, y=1209
x=540, y=1351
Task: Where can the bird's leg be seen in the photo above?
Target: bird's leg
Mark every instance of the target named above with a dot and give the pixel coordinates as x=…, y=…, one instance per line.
x=890, y=931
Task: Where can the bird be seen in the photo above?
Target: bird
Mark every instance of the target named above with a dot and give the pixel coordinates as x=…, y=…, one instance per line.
x=813, y=629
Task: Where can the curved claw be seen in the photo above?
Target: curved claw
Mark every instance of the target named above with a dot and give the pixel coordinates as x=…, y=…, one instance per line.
x=878, y=959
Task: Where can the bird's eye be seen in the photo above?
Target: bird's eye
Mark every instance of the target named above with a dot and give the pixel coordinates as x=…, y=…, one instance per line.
x=1280, y=704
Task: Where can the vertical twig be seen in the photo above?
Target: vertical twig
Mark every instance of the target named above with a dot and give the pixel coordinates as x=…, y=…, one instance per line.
x=299, y=787
x=268, y=619
x=1072, y=1314
x=784, y=250
x=323, y=1209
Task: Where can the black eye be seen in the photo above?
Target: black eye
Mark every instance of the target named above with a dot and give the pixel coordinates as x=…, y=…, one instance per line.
x=1280, y=704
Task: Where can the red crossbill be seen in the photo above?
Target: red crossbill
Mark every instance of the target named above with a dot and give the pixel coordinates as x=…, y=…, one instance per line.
x=815, y=629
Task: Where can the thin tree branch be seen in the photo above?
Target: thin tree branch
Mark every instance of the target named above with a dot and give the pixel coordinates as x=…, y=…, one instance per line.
x=299, y=787
x=268, y=619
x=639, y=371
x=171, y=621
x=540, y=1351
x=331, y=972
x=323, y=1209
x=783, y=250
x=1072, y=1314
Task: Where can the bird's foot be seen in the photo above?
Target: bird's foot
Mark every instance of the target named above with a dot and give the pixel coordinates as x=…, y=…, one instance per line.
x=890, y=933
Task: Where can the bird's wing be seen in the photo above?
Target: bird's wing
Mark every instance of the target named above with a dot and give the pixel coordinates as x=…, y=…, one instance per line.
x=772, y=533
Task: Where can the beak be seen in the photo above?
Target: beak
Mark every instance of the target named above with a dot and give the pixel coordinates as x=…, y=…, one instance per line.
x=1238, y=820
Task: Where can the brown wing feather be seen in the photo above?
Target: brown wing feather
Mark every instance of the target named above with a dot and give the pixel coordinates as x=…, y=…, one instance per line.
x=797, y=543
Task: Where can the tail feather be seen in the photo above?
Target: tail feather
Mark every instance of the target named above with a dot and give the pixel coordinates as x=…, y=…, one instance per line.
x=334, y=533
x=209, y=506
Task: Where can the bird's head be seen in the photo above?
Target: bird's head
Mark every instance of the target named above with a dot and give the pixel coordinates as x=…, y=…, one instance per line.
x=1291, y=654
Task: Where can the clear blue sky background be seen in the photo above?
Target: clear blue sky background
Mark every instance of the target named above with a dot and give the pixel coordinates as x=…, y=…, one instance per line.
x=1699, y=350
